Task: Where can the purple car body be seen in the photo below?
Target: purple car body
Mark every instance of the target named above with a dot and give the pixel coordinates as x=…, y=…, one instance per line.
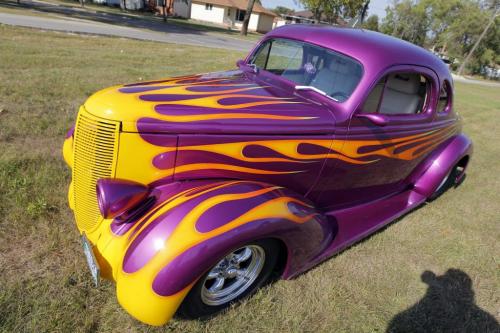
x=279, y=154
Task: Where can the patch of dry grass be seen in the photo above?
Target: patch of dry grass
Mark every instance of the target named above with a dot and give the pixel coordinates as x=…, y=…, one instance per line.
x=45, y=286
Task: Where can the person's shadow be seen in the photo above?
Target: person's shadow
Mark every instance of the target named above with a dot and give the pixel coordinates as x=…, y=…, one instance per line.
x=448, y=306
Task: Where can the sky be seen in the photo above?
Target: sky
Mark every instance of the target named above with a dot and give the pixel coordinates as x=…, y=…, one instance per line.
x=376, y=6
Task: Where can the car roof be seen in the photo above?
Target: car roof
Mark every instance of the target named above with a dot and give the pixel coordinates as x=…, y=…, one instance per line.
x=374, y=50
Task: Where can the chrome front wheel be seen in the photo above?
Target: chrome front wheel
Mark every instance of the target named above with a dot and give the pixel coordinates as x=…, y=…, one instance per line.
x=233, y=275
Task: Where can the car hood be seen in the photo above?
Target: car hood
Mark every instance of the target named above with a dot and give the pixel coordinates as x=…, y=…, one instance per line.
x=222, y=102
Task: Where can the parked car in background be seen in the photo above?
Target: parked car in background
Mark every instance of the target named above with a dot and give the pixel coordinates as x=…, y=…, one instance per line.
x=207, y=184
x=491, y=73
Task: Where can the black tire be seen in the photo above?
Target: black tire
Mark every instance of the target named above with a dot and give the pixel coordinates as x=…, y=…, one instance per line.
x=448, y=183
x=193, y=306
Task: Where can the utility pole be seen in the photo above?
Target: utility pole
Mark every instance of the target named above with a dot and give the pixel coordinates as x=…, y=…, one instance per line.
x=467, y=58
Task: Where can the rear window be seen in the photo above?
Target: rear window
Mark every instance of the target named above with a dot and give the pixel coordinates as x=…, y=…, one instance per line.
x=444, y=98
x=309, y=65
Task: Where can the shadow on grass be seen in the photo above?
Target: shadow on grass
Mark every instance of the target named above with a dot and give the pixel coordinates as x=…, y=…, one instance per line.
x=448, y=306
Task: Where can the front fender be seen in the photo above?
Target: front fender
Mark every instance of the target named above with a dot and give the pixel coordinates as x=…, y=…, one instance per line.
x=187, y=233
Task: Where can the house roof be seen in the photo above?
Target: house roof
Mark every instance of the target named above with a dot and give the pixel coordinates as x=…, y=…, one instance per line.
x=240, y=4
x=309, y=15
x=304, y=13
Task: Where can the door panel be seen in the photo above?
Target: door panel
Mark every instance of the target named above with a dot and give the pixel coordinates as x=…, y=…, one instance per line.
x=380, y=158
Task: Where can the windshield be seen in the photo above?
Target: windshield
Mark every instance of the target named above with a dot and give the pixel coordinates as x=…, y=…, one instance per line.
x=309, y=65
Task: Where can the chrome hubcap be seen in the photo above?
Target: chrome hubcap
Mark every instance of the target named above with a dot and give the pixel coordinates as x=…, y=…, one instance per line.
x=233, y=275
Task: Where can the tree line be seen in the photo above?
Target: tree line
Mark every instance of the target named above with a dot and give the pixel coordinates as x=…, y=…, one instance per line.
x=465, y=32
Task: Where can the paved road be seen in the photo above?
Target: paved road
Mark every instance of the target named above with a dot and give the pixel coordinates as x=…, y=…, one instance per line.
x=153, y=31
x=458, y=78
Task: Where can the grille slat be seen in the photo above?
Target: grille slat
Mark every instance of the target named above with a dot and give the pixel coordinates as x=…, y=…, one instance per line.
x=95, y=149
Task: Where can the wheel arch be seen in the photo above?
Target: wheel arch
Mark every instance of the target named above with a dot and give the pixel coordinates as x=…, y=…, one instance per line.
x=272, y=213
x=429, y=174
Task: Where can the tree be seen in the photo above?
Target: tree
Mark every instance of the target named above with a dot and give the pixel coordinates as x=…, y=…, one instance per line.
x=335, y=9
x=407, y=20
x=315, y=6
x=459, y=29
x=371, y=23
x=246, y=20
x=280, y=10
x=443, y=14
x=467, y=58
x=364, y=11
x=164, y=10
x=332, y=10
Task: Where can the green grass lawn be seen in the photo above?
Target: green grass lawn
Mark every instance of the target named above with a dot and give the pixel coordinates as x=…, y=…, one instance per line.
x=44, y=282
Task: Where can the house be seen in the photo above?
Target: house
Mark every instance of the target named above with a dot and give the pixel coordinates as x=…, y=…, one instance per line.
x=228, y=13
x=126, y=4
x=290, y=19
x=304, y=16
x=231, y=13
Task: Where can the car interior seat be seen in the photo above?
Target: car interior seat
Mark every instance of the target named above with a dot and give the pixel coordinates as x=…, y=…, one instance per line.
x=339, y=76
x=295, y=76
x=401, y=94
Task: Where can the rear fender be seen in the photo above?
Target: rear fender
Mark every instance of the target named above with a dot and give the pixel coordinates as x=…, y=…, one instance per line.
x=429, y=174
x=186, y=234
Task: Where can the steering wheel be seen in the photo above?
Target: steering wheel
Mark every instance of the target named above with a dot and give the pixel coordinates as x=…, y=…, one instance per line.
x=339, y=95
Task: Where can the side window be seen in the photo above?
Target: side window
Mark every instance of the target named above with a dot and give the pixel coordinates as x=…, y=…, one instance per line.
x=261, y=56
x=372, y=102
x=444, y=98
x=398, y=93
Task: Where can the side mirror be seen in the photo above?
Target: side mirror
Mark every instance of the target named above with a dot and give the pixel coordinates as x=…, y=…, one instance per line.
x=376, y=118
x=244, y=66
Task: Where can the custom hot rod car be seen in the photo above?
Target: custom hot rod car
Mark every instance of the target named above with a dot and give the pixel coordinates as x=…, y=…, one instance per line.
x=191, y=192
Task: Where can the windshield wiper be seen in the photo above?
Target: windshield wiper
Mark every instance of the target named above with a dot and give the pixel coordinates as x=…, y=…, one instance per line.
x=319, y=91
